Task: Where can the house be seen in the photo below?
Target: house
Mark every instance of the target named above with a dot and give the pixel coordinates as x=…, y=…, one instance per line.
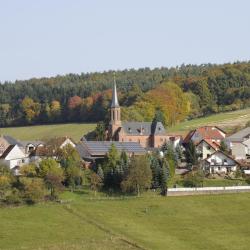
x=29, y=146
x=14, y=157
x=60, y=142
x=147, y=134
x=51, y=148
x=239, y=144
x=219, y=163
x=207, y=132
x=92, y=150
x=6, y=141
x=206, y=147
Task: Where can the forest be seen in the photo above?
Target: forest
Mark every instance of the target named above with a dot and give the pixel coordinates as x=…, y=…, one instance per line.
x=179, y=93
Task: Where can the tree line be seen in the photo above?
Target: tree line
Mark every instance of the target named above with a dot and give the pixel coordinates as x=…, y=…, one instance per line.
x=182, y=92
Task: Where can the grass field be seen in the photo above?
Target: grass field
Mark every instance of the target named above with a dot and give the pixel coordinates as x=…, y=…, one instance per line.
x=73, y=130
x=224, y=120
x=174, y=223
x=77, y=130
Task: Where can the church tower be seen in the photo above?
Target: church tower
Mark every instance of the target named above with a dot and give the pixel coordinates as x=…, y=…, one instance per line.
x=115, y=110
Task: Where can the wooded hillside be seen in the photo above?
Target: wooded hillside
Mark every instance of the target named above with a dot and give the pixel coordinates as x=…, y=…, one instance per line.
x=183, y=92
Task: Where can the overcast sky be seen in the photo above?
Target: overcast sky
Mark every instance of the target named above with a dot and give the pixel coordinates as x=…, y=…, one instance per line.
x=50, y=37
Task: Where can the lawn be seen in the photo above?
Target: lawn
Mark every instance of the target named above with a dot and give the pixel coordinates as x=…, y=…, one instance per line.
x=174, y=223
x=224, y=120
x=73, y=130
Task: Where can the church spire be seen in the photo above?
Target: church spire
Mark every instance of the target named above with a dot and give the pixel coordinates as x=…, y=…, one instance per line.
x=114, y=103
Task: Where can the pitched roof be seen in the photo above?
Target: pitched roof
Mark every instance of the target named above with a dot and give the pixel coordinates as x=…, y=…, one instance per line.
x=35, y=143
x=11, y=140
x=219, y=151
x=143, y=128
x=206, y=132
x=215, y=145
x=58, y=141
x=239, y=136
x=101, y=148
x=7, y=151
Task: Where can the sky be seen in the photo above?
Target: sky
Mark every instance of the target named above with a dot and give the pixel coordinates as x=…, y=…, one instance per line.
x=45, y=38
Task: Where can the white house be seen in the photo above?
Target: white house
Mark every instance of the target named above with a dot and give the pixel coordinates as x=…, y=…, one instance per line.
x=239, y=143
x=219, y=162
x=13, y=157
x=206, y=147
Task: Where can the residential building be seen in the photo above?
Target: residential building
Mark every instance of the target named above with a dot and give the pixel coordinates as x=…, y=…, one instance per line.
x=206, y=132
x=206, y=147
x=239, y=143
x=219, y=163
x=14, y=157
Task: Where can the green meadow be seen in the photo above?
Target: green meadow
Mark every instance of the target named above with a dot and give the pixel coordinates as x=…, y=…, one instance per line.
x=40, y=132
x=88, y=222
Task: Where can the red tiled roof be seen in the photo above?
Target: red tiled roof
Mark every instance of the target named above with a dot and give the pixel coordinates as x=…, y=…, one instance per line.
x=206, y=132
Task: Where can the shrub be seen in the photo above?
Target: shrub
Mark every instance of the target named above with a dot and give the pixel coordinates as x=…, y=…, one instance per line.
x=14, y=198
x=34, y=189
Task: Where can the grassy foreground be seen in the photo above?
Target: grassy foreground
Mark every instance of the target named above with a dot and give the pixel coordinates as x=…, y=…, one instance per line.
x=77, y=130
x=174, y=223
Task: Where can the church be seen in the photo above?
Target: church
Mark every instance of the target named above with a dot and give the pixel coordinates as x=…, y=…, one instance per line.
x=148, y=134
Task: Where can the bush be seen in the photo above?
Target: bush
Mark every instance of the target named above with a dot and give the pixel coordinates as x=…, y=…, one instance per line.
x=14, y=198
x=33, y=189
x=193, y=179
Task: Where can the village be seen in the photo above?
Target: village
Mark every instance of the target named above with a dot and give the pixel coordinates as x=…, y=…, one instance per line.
x=208, y=149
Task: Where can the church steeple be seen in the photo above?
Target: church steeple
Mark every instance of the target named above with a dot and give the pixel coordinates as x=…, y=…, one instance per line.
x=115, y=102
x=115, y=121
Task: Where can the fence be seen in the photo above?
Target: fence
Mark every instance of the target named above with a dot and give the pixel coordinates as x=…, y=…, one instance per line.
x=207, y=190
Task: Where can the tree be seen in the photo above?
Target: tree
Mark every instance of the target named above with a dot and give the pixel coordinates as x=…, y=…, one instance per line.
x=164, y=175
x=100, y=172
x=28, y=170
x=95, y=182
x=47, y=165
x=5, y=184
x=53, y=181
x=55, y=109
x=191, y=154
x=100, y=132
x=30, y=108
x=223, y=147
x=52, y=174
x=139, y=175
x=155, y=163
x=33, y=189
x=159, y=117
x=6, y=179
x=70, y=161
